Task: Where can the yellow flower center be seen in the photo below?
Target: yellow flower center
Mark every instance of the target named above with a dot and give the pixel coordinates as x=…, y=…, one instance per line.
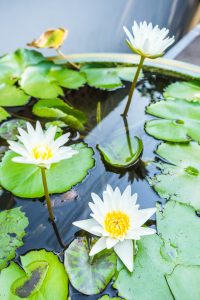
x=42, y=152
x=117, y=223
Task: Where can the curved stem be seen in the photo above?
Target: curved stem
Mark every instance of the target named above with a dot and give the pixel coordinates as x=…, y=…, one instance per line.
x=133, y=85
x=75, y=66
x=46, y=191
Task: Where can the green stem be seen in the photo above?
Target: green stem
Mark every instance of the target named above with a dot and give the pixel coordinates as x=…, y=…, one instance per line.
x=128, y=136
x=75, y=66
x=98, y=114
x=133, y=85
x=46, y=192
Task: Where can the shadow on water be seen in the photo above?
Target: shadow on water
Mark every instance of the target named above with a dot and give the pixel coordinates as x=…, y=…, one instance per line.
x=73, y=205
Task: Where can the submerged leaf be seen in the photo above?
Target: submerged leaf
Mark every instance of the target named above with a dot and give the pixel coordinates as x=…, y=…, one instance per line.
x=121, y=154
x=12, y=230
x=184, y=282
x=25, y=180
x=43, y=277
x=183, y=90
x=52, y=38
x=58, y=109
x=9, y=129
x=88, y=277
x=179, y=180
x=180, y=120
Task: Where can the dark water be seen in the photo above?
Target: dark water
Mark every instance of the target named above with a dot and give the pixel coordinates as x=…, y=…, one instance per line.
x=74, y=205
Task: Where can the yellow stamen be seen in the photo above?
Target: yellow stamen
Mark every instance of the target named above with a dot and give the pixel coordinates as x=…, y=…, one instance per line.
x=42, y=152
x=117, y=223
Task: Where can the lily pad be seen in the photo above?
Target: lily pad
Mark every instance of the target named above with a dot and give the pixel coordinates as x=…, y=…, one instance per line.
x=3, y=114
x=108, y=78
x=12, y=230
x=88, y=277
x=106, y=297
x=26, y=181
x=120, y=153
x=9, y=129
x=68, y=78
x=184, y=282
x=36, y=82
x=180, y=121
x=147, y=281
x=58, y=109
x=11, y=95
x=179, y=180
x=179, y=225
x=183, y=90
x=43, y=277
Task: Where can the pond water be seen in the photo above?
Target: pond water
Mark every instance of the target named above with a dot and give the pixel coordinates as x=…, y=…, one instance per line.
x=73, y=205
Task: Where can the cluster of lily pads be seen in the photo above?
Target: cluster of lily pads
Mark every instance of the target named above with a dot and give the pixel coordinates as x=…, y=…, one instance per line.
x=166, y=263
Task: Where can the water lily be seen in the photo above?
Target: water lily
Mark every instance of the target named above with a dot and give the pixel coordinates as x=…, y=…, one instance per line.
x=118, y=221
x=40, y=148
x=148, y=42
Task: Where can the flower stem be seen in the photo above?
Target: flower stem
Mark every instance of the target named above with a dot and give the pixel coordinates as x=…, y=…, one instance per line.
x=133, y=85
x=75, y=66
x=46, y=191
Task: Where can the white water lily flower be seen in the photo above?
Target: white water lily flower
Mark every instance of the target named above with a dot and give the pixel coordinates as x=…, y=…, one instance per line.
x=40, y=148
x=148, y=41
x=118, y=221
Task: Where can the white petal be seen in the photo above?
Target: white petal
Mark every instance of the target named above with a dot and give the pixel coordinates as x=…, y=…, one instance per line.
x=50, y=134
x=39, y=130
x=61, y=140
x=110, y=242
x=124, y=251
x=144, y=231
x=18, y=148
x=98, y=246
x=87, y=225
x=143, y=215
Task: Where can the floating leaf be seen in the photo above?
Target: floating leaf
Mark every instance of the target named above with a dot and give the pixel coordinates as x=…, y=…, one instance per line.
x=58, y=109
x=179, y=225
x=10, y=95
x=147, y=281
x=52, y=38
x=26, y=181
x=9, y=129
x=13, y=64
x=67, y=78
x=181, y=120
x=36, y=82
x=59, y=125
x=3, y=114
x=12, y=230
x=107, y=78
x=184, y=282
x=183, y=90
x=121, y=154
x=179, y=180
x=43, y=277
x=89, y=277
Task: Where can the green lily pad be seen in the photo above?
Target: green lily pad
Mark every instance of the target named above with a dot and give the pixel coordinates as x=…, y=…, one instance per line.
x=184, y=282
x=58, y=109
x=67, y=78
x=179, y=180
x=88, y=277
x=43, y=277
x=183, y=90
x=121, y=154
x=3, y=114
x=11, y=95
x=180, y=121
x=147, y=281
x=36, y=82
x=179, y=225
x=107, y=78
x=13, y=64
x=12, y=230
x=26, y=181
x=9, y=129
